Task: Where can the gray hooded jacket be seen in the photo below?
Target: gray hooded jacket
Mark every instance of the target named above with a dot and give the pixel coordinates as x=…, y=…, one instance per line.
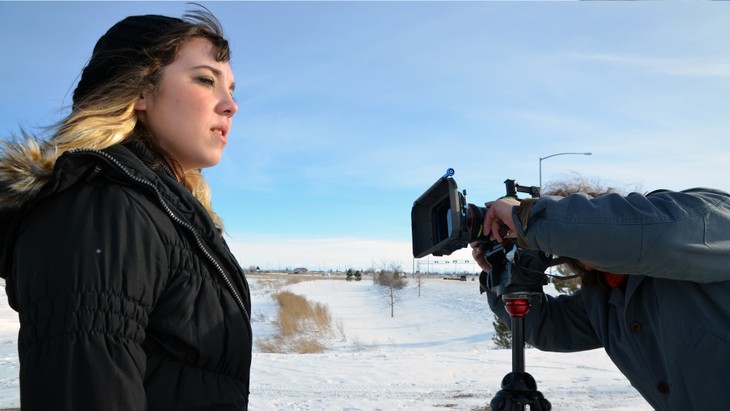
x=668, y=328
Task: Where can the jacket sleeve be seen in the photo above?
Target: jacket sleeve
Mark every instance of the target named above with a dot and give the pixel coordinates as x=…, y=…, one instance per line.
x=553, y=323
x=88, y=267
x=674, y=235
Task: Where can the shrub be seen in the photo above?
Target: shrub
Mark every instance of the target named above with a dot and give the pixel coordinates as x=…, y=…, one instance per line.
x=299, y=316
x=302, y=325
x=390, y=278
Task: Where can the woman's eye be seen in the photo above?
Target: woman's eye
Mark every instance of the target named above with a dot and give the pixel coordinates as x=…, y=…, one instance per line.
x=206, y=80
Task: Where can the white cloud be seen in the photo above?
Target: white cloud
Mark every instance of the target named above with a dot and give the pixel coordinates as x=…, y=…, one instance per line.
x=684, y=67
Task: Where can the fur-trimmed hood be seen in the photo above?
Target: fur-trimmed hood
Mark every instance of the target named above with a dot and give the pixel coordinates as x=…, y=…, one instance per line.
x=31, y=171
x=25, y=167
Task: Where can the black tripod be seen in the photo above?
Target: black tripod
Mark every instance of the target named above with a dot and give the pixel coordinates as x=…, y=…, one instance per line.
x=519, y=388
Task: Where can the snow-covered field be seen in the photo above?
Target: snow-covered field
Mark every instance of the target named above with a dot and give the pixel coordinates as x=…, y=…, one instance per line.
x=436, y=353
x=9, y=366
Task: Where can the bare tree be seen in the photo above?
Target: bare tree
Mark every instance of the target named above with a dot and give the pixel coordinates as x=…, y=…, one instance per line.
x=392, y=278
x=419, y=283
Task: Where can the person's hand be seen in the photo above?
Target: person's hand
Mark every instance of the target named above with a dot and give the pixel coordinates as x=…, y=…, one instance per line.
x=498, y=222
x=478, y=254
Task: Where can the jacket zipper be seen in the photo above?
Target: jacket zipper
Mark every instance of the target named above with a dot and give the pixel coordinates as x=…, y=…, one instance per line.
x=184, y=224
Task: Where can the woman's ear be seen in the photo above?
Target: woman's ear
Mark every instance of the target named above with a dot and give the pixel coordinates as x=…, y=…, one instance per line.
x=141, y=104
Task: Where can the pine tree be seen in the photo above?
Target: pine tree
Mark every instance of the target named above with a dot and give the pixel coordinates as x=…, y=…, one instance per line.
x=502, y=336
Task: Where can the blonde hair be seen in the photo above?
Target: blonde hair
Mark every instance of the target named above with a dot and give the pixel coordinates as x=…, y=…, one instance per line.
x=114, y=123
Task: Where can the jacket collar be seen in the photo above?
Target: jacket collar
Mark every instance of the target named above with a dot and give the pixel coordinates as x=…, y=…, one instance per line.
x=137, y=163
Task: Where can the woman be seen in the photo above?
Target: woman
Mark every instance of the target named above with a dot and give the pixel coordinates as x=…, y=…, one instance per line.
x=127, y=294
x=658, y=299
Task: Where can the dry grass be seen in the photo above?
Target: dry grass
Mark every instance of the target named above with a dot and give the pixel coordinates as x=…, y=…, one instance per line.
x=276, y=283
x=299, y=316
x=302, y=326
x=299, y=345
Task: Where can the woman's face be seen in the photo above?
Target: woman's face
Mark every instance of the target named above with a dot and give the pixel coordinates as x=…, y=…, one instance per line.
x=191, y=109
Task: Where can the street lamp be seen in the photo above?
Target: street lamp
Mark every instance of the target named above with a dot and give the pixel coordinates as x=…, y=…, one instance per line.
x=555, y=155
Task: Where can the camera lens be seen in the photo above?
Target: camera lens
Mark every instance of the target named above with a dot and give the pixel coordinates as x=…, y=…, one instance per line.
x=475, y=221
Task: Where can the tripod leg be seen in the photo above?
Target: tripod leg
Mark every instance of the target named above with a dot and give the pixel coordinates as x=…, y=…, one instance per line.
x=519, y=388
x=519, y=391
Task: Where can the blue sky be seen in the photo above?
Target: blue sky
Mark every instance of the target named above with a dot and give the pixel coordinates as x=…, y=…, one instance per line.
x=348, y=111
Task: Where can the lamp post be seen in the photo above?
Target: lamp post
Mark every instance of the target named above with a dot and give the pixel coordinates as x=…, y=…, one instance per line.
x=555, y=155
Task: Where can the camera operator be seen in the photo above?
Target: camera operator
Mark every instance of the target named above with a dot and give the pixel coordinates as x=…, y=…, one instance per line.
x=655, y=288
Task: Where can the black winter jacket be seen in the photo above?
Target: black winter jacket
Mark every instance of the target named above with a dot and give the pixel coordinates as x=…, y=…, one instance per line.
x=127, y=294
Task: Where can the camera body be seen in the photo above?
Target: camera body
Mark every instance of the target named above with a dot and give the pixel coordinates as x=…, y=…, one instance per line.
x=442, y=221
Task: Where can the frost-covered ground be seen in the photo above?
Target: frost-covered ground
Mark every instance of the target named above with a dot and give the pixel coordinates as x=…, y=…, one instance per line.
x=436, y=353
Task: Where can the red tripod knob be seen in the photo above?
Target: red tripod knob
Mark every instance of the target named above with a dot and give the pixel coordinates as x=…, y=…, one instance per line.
x=517, y=307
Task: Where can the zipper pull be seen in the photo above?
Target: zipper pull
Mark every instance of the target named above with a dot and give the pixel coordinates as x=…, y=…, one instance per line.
x=93, y=173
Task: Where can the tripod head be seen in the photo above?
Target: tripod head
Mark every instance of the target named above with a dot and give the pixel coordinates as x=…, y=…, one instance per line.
x=515, y=271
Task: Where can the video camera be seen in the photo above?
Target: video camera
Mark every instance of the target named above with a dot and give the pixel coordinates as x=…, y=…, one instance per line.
x=442, y=221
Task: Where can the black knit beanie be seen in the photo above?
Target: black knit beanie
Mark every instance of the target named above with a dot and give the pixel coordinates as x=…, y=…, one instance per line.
x=121, y=47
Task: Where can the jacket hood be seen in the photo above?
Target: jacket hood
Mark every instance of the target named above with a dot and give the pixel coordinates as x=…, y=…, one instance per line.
x=32, y=170
x=29, y=173
x=25, y=167
x=29, y=170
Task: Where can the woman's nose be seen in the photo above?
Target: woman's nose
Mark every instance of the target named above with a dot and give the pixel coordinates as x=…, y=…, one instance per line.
x=228, y=105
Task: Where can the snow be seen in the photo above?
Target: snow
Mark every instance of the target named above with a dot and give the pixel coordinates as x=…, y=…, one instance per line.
x=435, y=353
x=9, y=364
